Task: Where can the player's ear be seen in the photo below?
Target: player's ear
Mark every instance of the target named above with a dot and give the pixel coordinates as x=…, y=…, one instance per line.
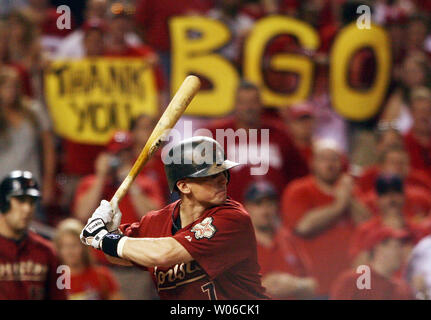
x=183, y=186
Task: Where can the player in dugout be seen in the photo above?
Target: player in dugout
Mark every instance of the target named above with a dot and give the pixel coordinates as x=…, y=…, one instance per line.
x=201, y=246
x=28, y=264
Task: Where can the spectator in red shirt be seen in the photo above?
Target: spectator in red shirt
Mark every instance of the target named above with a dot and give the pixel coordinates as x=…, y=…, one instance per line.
x=394, y=160
x=417, y=196
x=385, y=245
x=388, y=207
x=88, y=281
x=322, y=211
x=110, y=170
x=418, y=140
x=275, y=152
x=284, y=267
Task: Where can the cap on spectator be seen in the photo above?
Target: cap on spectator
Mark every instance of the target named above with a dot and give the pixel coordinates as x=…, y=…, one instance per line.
x=299, y=111
x=260, y=190
x=380, y=234
x=94, y=24
x=388, y=183
x=121, y=140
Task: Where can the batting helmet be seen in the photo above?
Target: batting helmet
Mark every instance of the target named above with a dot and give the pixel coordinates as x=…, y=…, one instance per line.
x=17, y=183
x=195, y=157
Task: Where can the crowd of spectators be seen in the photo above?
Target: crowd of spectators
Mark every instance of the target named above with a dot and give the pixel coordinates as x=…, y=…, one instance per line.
x=337, y=195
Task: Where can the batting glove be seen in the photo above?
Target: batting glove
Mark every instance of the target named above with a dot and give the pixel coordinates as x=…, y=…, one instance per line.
x=93, y=233
x=104, y=211
x=116, y=219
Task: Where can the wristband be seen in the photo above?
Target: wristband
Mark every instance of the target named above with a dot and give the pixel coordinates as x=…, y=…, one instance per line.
x=120, y=246
x=110, y=244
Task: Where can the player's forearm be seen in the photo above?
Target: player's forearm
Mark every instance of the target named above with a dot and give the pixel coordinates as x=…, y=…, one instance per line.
x=152, y=252
x=318, y=219
x=118, y=261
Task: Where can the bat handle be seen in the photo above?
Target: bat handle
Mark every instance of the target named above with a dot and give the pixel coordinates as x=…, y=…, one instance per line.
x=121, y=191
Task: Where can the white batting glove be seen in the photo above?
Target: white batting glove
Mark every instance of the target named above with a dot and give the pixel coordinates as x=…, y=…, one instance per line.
x=104, y=211
x=93, y=233
x=116, y=219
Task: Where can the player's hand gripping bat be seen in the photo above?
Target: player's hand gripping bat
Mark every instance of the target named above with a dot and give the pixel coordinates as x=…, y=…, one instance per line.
x=169, y=118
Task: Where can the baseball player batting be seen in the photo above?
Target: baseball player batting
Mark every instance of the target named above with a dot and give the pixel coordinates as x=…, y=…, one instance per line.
x=200, y=247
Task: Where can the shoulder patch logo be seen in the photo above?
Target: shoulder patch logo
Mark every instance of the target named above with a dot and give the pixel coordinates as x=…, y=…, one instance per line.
x=204, y=229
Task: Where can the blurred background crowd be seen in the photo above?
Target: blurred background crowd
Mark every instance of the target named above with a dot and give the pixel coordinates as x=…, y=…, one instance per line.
x=338, y=194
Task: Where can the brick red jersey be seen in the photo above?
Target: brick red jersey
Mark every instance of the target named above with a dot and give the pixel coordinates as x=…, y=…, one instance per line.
x=28, y=269
x=94, y=283
x=223, y=244
x=345, y=288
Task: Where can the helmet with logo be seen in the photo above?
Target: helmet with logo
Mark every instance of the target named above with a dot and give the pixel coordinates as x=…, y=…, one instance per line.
x=17, y=183
x=195, y=157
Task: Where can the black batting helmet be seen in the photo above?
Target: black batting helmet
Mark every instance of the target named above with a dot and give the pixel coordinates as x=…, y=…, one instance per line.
x=17, y=183
x=195, y=157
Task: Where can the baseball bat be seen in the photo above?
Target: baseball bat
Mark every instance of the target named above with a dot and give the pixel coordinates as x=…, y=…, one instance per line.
x=167, y=121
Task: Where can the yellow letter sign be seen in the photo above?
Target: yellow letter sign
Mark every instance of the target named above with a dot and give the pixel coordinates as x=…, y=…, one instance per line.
x=195, y=55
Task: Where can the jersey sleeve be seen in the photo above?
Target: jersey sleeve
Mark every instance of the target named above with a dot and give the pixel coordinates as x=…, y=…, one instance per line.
x=220, y=241
x=135, y=229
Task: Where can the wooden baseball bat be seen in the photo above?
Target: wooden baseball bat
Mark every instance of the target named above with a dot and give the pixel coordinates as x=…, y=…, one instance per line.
x=167, y=121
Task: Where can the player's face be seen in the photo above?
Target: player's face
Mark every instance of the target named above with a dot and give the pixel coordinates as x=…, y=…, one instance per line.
x=263, y=213
x=209, y=191
x=70, y=250
x=327, y=165
x=21, y=212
